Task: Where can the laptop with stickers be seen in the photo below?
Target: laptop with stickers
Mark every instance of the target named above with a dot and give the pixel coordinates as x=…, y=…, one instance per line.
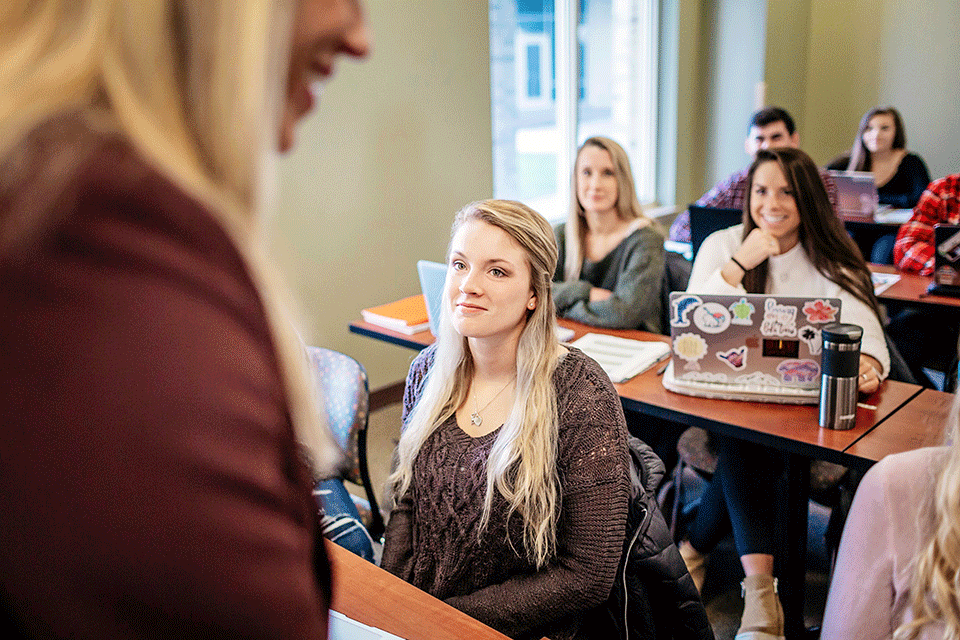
x=748, y=347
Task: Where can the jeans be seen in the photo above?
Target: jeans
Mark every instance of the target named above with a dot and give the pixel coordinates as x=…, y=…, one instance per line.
x=340, y=520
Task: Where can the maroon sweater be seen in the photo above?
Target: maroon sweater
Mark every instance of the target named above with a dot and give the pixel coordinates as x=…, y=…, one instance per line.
x=432, y=537
x=152, y=485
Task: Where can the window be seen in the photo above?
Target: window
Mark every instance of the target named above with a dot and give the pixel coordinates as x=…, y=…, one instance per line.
x=562, y=71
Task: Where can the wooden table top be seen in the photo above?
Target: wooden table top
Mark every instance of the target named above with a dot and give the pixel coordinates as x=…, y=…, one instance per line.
x=919, y=423
x=912, y=288
x=791, y=428
x=368, y=594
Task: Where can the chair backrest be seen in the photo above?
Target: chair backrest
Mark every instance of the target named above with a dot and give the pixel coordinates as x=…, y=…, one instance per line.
x=899, y=369
x=341, y=384
x=676, y=275
x=706, y=220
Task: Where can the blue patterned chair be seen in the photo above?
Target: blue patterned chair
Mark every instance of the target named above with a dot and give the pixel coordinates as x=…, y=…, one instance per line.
x=341, y=383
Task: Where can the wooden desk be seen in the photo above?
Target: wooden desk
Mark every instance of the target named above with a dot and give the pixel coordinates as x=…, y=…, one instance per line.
x=368, y=594
x=919, y=423
x=912, y=289
x=793, y=429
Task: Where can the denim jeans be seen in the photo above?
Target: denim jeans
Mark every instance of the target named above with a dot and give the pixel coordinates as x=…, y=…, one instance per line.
x=340, y=520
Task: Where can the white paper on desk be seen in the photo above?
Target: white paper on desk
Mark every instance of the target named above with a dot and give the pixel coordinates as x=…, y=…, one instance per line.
x=883, y=281
x=622, y=358
x=898, y=216
x=343, y=628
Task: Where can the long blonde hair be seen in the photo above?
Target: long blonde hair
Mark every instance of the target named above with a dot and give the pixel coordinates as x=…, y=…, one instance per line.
x=628, y=205
x=522, y=464
x=935, y=584
x=196, y=88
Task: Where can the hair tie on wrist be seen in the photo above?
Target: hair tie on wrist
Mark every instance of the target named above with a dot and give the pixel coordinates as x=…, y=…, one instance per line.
x=737, y=262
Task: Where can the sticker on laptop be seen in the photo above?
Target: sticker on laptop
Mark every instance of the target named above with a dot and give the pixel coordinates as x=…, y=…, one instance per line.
x=711, y=317
x=759, y=378
x=704, y=376
x=811, y=337
x=742, y=312
x=798, y=371
x=778, y=319
x=820, y=311
x=691, y=347
x=680, y=309
x=735, y=358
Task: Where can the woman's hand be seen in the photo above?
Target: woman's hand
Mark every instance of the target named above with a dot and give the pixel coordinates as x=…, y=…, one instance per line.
x=757, y=247
x=599, y=295
x=869, y=379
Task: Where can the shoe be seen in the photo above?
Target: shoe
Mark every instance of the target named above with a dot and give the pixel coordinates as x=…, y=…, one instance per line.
x=696, y=564
x=762, y=614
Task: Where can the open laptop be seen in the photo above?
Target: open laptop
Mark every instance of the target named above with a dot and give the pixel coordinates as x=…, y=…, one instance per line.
x=706, y=220
x=432, y=276
x=748, y=347
x=946, y=260
x=856, y=193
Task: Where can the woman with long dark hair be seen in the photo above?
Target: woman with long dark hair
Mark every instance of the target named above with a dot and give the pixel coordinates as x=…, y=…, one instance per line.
x=790, y=243
x=881, y=148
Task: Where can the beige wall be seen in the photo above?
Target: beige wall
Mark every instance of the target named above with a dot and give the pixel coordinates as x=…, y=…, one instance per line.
x=863, y=53
x=403, y=140
x=827, y=62
x=398, y=144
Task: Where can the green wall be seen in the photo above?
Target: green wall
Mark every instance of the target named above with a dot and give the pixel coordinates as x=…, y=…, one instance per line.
x=399, y=143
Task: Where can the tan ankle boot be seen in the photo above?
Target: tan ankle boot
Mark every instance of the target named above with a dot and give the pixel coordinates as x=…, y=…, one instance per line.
x=762, y=614
x=696, y=564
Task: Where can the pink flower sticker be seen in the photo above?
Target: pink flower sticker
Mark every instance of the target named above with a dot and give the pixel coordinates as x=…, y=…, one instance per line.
x=820, y=311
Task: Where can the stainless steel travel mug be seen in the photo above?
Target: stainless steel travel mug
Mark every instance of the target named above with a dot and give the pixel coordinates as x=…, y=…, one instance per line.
x=839, y=372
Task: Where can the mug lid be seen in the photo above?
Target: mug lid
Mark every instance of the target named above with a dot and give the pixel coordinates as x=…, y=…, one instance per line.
x=842, y=333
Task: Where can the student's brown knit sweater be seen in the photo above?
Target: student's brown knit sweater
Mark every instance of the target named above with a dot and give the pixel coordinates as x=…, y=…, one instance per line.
x=432, y=538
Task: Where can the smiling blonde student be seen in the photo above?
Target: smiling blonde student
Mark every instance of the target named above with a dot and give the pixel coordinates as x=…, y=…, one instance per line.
x=611, y=260
x=512, y=481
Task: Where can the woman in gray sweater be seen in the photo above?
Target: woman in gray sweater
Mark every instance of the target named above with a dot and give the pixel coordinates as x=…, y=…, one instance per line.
x=611, y=261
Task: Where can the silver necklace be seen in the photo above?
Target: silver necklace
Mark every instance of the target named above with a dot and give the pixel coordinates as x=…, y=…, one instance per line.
x=475, y=417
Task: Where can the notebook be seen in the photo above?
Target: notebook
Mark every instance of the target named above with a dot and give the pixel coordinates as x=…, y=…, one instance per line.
x=748, y=347
x=856, y=193
x=946, y=260
x=622, y=358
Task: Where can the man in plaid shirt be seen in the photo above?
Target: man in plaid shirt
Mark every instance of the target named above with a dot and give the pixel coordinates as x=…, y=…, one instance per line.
x=939, y=204
x=769, y=127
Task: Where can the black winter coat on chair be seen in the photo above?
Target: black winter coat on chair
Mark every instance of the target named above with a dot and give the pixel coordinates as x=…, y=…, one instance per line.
x=653, y=595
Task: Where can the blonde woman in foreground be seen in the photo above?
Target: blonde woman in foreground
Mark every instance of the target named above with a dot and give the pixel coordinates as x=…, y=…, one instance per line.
x=156, y=395
x=898, y=571
x=513, y=480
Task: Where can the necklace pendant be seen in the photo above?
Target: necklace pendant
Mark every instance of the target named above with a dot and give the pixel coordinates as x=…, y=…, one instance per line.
x=476, y=419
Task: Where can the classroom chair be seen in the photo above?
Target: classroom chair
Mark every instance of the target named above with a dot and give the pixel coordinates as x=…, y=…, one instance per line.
x=341, y=383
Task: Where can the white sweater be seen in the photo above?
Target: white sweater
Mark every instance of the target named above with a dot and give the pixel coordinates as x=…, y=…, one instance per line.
x=791, y=274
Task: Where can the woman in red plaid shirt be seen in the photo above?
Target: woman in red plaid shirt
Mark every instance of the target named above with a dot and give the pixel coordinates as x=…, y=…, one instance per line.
x=939, y=204
x=919, y=339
